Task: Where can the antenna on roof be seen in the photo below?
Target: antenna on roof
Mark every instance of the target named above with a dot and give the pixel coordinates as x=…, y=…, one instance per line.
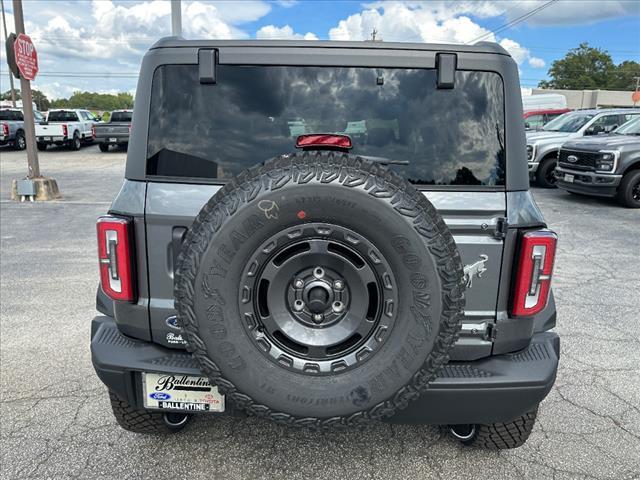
x=374, y=37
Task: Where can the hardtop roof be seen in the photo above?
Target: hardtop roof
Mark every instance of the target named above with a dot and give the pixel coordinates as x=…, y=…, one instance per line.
x=480, y=47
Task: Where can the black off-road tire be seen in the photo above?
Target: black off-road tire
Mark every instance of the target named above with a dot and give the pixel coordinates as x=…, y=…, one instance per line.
x=145, y=421
x=20, y=143
x=104, y=147
x=354, y=179
x=629, y=189
x=545, y=176
x=41, y=146
x=499, y=436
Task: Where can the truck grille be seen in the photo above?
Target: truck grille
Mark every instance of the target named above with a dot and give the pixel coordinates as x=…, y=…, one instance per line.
x=584, y=160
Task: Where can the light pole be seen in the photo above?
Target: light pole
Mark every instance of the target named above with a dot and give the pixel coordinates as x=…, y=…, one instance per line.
x=176, y=18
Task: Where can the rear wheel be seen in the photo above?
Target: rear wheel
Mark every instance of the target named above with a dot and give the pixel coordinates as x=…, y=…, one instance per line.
x=629, y=189
x=76, y=143
x=545, y=176
x=20, y=143
x=145, y=421
x=104, y=147
x=496, y=436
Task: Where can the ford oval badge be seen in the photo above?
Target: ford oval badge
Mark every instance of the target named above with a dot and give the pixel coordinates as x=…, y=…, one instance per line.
x=160, y=396
x=173, y=322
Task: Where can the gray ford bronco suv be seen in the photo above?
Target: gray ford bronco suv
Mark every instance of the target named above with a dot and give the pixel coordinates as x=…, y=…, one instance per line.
x=323, y=234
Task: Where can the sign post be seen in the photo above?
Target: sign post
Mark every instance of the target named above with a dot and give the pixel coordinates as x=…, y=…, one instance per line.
x=26, y=62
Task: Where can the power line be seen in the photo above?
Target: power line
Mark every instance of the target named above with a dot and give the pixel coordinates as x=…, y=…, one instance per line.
x=513, y=22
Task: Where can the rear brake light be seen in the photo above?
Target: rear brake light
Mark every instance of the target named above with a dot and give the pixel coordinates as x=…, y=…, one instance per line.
x=5, y=129
x=115, y=256
x=314, y=140
x=65, y=130
x=535, y=269
x=93, y=131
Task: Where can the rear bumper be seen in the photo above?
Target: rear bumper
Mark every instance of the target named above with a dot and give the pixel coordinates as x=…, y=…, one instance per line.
x=588, y=183
x=51, y=139
x=494, y=389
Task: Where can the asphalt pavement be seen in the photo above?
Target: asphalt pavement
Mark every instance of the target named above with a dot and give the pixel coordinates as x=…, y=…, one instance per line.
x=55, y=419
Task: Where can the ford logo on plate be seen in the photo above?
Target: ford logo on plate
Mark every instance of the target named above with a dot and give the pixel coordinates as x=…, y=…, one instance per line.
x=160, y=396
x=572, y=158
x=173, y=322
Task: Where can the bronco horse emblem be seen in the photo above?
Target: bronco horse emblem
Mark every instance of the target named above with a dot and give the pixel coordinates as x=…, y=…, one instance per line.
x=475, y=269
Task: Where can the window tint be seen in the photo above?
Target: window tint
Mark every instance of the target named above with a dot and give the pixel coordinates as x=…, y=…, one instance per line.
x=62, y=116
x=14, y=115
x=449, y=137
x=569, y=122
x=121, y=116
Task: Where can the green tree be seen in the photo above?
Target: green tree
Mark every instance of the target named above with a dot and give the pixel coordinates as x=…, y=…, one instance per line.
x=624, y=77
x=39, y=98
x=586, y=68
x=582, y=68
x=95, y=101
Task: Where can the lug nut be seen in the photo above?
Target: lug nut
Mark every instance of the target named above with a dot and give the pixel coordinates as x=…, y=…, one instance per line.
x=317, y=318
x=318, y=272
x=298, y=305
x=338, y=285
x=338, y=307
x=299, y=283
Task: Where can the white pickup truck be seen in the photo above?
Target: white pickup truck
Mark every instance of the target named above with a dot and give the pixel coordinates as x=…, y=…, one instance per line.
x=69, y=127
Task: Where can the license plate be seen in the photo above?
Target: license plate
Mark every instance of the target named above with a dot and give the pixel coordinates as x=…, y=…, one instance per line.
x=568, y=178
x=113, y=140
x=181, y=392
x=48, y=139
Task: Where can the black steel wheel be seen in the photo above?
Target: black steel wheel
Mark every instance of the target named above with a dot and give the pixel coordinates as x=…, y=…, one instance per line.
x=319, y=290
x=319, y=302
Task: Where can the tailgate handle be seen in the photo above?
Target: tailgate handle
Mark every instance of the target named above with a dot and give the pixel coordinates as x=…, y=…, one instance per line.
x=177, y=236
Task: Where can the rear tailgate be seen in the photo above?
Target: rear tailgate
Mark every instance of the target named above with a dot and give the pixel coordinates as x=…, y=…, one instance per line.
x=473, y=217
x=49, y=130
x=107, y=130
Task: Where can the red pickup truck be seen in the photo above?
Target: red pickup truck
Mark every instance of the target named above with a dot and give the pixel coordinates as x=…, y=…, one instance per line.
x=536, y=119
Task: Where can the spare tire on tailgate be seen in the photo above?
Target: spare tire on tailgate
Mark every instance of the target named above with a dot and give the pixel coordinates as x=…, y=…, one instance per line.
x=319, y=290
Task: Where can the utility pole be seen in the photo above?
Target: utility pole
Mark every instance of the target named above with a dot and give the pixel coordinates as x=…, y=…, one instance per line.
x=6, y=36
x=176, y=18
x=374, y=32
x=27, y=104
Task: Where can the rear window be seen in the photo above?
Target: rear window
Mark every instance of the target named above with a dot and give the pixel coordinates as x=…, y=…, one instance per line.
x=448, y=137
x=11, y=115
x=121, y=117
x=62, y=116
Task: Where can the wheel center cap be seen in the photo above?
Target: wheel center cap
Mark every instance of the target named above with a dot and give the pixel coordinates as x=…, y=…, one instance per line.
x=318, y=300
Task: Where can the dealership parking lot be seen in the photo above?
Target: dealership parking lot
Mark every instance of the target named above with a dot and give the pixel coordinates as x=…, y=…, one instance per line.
x=56, y=420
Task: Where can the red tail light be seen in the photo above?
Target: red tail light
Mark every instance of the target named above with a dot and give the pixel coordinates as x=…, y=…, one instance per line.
x=314, y=140
x=65, y=130
x=535, y=268
x=5, y=129
x=116, y=257
x=93, y=131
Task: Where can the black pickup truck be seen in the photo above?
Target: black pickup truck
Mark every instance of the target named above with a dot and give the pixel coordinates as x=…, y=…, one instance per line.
x=324, y=234
x=603, y=166
x=116, y=131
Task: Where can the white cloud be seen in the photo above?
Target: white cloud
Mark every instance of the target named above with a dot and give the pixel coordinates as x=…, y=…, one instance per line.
x=536, y=62
x=571, y=12
x=271, y=32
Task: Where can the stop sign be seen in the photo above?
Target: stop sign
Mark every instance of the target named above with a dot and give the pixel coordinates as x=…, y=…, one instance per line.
x=26, y=56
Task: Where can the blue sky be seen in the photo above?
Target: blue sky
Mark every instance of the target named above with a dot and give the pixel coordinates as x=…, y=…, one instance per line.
x=82, y=44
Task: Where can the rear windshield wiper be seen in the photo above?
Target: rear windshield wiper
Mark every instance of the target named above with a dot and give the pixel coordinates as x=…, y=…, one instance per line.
x=384, y=161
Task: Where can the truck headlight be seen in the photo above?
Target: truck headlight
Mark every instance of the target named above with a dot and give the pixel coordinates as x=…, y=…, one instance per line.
x=607, y=161
x=530, y=152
